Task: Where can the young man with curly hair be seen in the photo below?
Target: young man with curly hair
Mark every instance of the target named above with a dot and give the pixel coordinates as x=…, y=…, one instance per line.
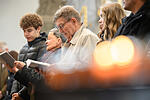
x=34, y=48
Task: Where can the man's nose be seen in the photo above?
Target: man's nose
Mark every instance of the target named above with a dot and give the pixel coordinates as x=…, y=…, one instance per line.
x=26, y=33
x=46, y=42
x=61, y=30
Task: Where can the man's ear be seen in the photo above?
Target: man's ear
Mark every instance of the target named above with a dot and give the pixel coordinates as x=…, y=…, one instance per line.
x=74, y=20
x=39, y=29
x=59, y=40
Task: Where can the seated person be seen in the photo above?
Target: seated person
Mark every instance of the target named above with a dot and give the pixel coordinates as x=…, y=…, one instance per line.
x=25, y=75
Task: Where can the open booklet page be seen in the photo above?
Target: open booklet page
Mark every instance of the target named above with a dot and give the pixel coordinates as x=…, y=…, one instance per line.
x=33, y=63
x=7, y=58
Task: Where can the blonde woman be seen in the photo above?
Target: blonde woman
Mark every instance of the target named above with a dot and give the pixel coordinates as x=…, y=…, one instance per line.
x=110, y=19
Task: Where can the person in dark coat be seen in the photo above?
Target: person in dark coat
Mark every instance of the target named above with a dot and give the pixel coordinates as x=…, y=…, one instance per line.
x=137, y=23
x=34, y=49
x=10, y=78
x=26, y=75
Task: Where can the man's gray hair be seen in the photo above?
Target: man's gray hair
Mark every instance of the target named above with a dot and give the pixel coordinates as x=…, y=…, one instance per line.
x=58, y=35
x=67, y=12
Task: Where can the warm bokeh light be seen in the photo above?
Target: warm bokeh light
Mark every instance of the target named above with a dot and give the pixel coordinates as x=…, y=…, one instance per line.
x=122, y=50
x=113, y=61
x=119, y=52
x=102, y=55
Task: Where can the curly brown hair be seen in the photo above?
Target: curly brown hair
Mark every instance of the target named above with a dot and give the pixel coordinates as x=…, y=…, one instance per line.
x=31, y=20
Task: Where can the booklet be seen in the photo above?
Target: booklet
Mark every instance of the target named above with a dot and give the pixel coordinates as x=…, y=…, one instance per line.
x=36, y=64
x=7, y=58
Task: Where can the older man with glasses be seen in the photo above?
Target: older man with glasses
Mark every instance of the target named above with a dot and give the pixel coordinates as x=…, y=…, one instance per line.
x=81, y=40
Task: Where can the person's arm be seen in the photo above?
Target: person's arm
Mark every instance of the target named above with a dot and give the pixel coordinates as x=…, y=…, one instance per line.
x=15, y=87
x=24, y=92
x=16, y=96
x=27, y=75
x=88, y=45
x=4, y=89
x=1, y=95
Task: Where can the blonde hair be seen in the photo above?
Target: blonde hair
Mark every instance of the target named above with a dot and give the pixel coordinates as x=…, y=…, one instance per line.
x=112, y=14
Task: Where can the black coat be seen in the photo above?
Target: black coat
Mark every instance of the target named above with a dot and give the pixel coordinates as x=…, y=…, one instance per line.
x=28, y=75
x=32, y=50
x=138, y=24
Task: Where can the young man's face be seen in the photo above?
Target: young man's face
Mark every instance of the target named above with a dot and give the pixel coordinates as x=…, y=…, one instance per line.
x=31, y=33
x=67, y=28
x=53, y=42
x=129, y=4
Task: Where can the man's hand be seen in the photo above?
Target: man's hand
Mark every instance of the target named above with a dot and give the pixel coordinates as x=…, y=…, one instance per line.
x=1, y=95
x=19, y=64
x=15, y=96
x=13, y=70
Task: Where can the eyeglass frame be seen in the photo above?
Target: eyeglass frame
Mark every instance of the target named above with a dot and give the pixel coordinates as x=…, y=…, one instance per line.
x=61, y=26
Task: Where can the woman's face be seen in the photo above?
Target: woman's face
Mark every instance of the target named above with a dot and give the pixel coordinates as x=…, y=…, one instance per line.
x=101, y=21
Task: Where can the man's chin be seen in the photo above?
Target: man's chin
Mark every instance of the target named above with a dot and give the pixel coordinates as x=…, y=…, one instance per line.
x=126, y=8
x=47, y=49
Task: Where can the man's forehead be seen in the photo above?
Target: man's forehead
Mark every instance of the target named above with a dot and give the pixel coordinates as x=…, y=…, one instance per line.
x=28, y=28
x=51, y=34
x=60, y=20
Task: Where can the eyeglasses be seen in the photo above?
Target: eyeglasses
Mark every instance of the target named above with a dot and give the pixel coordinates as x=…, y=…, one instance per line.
x=61, y=26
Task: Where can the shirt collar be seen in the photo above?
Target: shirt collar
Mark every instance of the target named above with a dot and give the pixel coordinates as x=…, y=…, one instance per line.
x=77, y=35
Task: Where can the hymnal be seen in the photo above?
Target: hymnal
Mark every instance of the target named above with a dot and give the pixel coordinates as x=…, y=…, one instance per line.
x=7, y=58
x=36, y=64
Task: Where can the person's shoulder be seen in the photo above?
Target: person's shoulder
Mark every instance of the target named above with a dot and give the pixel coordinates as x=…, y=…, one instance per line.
x=88, y=32
x=24, y=46
x=40, y=42
x=43, y=34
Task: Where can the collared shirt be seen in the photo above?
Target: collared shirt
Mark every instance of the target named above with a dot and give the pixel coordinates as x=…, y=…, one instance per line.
x=80, y=50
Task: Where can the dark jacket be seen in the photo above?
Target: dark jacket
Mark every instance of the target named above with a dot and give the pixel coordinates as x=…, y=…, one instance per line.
x=27, y=75
x=41, y=90
x=32, y=50
x=9, y=85
x=138, y=24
